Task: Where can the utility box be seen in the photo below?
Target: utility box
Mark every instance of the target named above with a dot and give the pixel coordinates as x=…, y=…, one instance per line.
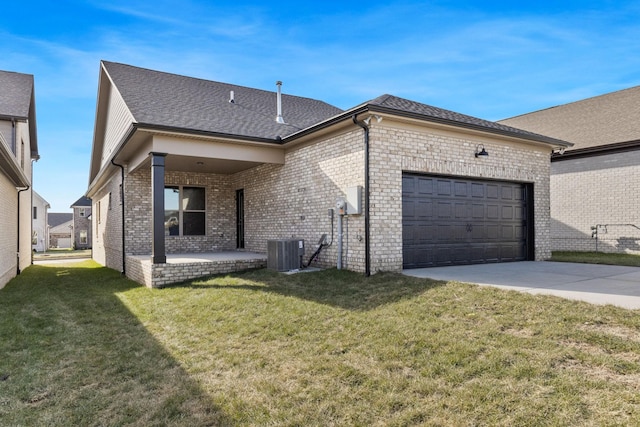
x=285, y=254
x=354, y=200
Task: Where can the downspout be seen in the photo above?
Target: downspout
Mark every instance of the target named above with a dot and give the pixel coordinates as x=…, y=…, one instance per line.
x=18, y=243
x=124, y=264
x=367, y=251
x=31, y=213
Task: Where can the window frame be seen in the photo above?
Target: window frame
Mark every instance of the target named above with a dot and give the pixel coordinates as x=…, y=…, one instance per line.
x=182, y=210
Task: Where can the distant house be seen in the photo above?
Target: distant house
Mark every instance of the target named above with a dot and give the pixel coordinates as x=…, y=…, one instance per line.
x=60, y=230
x=40, y=229
x=18, y=147
x=82, y=223
x=182, y=167
x=595, y=203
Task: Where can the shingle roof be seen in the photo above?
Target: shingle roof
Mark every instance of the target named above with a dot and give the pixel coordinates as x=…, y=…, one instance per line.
x=15, y=94
x=54, y=219
x=82, y=201
x=169, y=100
x=602, y=120
x=406, y=106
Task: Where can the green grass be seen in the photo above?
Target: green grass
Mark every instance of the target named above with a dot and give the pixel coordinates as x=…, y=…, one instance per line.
x=82, y=346
x=597, y=258
x=53, y=253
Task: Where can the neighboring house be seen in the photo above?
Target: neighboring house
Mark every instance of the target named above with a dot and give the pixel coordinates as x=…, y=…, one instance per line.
x=60, y=229
x=40, y=229
x=594, y=183
x=184, y=165
x=18, y=147
x=82, y=223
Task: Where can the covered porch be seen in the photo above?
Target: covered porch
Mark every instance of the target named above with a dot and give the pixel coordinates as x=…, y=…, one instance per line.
x=186, y=266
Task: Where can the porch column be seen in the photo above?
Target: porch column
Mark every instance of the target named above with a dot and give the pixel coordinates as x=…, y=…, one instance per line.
x=158, y=252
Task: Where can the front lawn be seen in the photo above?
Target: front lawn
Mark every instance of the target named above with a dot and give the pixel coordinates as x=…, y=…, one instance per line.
x=80, y=345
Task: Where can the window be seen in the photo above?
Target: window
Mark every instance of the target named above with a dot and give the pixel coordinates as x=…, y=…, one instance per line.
x=81, y=212
x=34, y=237
x=35, y=212
x=109, y=200
x=184, y=211
x=83, y=237
x=99, y=212
x=22, y=156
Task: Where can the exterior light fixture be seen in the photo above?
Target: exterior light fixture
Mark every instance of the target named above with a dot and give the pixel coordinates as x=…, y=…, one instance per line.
x=480, y=151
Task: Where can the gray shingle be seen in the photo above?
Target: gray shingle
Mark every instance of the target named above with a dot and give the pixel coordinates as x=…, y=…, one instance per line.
x=54, y=219
x=164, y=99
x=15, y=94
x=82, y=201
x=404, y=106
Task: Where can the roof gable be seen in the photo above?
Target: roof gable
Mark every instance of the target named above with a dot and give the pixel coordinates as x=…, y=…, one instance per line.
x=169, y=100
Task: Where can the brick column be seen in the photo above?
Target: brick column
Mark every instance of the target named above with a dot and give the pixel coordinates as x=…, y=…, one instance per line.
x=158, y=252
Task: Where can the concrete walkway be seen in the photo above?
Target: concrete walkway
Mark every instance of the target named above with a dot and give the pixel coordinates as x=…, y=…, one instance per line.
x=596, y=284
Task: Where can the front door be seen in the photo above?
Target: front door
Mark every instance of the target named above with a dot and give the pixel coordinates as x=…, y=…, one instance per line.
x=240, y=219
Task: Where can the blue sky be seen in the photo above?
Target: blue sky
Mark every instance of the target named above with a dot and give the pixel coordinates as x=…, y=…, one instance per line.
x=488, y=59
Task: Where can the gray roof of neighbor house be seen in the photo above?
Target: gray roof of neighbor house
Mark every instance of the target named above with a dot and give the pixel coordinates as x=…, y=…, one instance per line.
x=612, y=118
x=82, y=202
x=172, y=101
x=55, y=218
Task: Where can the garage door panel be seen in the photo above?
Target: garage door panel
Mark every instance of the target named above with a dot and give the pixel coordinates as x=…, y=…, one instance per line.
x=445, y=209
x=444, y=187
x=452, y=221
x=492, y=212
x=507, y=213
x=492, y=191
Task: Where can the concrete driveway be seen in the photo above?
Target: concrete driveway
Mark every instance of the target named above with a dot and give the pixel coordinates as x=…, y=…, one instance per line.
x=596, y=284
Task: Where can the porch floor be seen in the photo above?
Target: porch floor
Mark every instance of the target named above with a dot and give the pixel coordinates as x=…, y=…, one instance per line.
x=182, y=267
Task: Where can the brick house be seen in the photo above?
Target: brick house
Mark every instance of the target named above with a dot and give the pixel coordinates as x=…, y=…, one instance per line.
x=18, y=147
x=187, y=166
x=81, y=229
x=593, y=183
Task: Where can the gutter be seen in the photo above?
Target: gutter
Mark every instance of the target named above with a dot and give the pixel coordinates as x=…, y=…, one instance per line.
x=18, y=237
x=367, y=248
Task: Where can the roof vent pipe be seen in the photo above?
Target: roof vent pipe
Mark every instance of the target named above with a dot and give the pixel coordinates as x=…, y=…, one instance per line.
x=232, y=98
x=279, y=118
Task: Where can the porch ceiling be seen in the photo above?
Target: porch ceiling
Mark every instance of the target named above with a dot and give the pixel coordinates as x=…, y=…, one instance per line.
x=199, y=154
x=174, y=162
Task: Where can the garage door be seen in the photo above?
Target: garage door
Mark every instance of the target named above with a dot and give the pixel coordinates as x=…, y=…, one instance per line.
x=454, y=221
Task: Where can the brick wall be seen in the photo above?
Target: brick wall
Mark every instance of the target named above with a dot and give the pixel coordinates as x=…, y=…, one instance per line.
x=106, y=223
x=159, y=275
x=596, y=190
x=292, y=200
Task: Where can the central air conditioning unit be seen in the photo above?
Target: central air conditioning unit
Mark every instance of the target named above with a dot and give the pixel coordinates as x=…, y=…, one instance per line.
x=285, y=254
